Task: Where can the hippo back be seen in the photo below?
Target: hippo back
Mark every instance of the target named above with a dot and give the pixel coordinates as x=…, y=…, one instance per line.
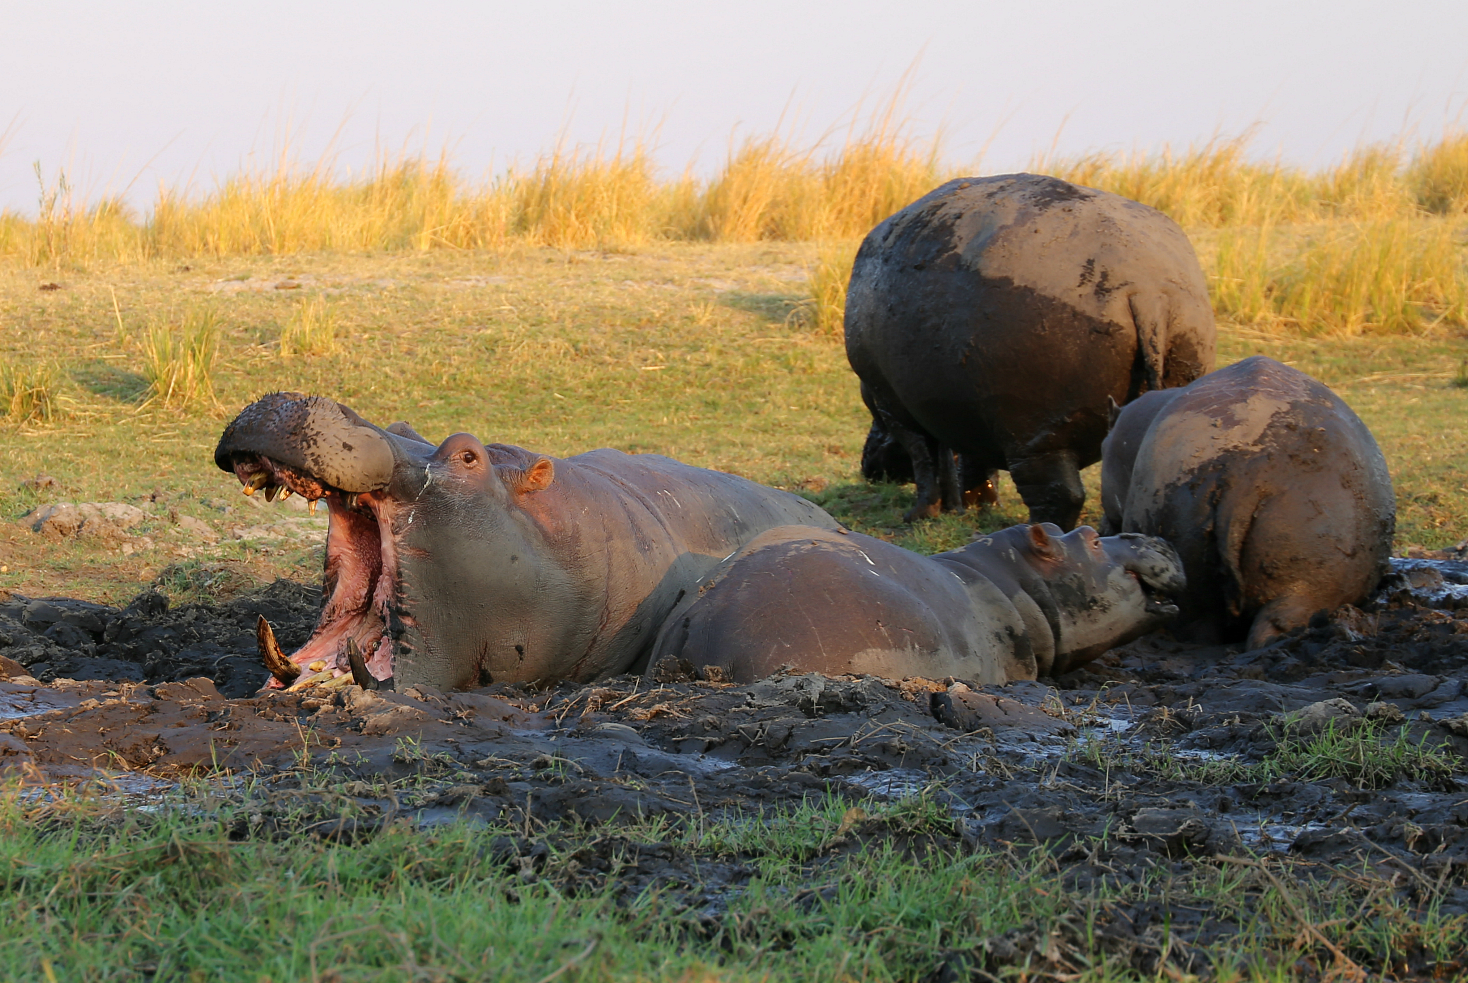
x=1274, y=493
x=997, y=314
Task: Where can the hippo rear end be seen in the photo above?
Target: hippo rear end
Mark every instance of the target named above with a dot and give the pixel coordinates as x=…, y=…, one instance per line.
x=1273, y=491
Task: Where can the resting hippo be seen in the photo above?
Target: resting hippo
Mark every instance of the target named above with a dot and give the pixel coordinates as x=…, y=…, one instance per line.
x=1274, y=493
x=1024, y=602
x=994, y=318
x=464, y=563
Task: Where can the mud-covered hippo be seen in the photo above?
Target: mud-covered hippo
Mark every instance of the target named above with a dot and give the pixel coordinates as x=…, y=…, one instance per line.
x=1026, y=601
x=1272, y=490
x=994, y=317
x=462, y=563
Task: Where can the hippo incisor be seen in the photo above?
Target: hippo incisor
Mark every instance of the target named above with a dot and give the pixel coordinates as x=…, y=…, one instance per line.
x=995, y=317
x=461, y=563
x=1023, y=602
x=1273, y=491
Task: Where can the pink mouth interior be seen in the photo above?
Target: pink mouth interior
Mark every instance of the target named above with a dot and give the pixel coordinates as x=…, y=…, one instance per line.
x=360, y=576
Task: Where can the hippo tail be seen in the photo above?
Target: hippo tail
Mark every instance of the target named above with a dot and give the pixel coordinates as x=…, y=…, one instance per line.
x=1149, y=315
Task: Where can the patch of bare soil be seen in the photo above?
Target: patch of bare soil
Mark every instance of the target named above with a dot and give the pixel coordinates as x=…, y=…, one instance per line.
x=1100, y=768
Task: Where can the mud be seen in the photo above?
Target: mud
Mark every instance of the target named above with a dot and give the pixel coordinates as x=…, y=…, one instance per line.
x=140, y=697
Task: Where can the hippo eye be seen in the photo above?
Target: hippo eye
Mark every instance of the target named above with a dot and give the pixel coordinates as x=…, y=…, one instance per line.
x=468, y=457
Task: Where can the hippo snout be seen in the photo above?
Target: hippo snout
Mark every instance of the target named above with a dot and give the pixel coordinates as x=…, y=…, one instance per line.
x=1156, y=566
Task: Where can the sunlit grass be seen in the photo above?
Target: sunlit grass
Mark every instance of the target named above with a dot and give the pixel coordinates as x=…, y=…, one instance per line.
x=30, y=392
x=311, y=329
x=178, y=360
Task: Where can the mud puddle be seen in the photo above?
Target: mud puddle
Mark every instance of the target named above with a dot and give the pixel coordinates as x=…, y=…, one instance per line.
x=1114, y=754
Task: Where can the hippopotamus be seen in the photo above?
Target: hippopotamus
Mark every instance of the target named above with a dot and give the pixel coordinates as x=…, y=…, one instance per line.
x=462, y=563
x=995, y=317
x=1024, y=602
x=1273, y=491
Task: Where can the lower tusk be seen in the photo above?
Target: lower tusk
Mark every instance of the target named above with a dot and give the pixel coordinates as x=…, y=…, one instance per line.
x=360, y=675
x=280, y=667
x=270, y=492
x=311, y=507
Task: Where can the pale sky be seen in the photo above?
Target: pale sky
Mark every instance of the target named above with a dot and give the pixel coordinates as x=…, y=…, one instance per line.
x=123, y=95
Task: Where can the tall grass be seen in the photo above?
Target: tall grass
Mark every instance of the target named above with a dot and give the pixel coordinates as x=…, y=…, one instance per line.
x=1373, y=243
x=825, y=307
x=178, y=360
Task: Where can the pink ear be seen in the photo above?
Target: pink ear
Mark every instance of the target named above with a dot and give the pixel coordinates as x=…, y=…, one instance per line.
x=539, y=476
x=1040, y=539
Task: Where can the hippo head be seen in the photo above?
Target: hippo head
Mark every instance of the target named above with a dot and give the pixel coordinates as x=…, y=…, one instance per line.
x=1097, y=592
x=412, y=525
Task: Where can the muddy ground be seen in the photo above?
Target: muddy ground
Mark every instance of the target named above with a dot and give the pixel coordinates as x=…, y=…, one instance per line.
x=144, y=695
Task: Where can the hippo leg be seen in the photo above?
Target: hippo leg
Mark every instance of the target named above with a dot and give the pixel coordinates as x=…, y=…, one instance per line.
x=1050, y=485
x=1280, y=615
x=976, y=480
x=926, y=456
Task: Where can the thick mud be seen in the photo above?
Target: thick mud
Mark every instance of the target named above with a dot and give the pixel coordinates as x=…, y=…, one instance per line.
x=1119, y=770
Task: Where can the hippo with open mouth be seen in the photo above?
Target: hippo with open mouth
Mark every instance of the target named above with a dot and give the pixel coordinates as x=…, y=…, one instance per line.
x=463, y=563
x=1023, y=602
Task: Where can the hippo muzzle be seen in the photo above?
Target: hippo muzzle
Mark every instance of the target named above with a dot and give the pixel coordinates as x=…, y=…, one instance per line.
x=1132, y=591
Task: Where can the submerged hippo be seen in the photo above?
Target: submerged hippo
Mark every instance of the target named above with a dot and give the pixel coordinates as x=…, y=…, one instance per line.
x=1026, y=601
x=996, y=316
x=461, y=563
x=1275, y=494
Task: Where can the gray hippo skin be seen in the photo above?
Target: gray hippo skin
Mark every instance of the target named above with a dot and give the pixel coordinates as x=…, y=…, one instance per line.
x=1273, y=491
x=995, y=317
x=461, y=563
x=1024, y=602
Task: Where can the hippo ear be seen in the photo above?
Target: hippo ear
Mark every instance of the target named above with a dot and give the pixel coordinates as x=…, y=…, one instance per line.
x=1040, y=540
x=539, y=475
x=1113, y=410
x=404, y=429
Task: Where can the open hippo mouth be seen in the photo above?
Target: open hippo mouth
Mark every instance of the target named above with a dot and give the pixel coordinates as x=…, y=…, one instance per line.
x=288, y=444
x=352, y=639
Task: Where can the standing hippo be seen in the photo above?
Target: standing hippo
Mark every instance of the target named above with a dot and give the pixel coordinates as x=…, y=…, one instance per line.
x=1026, y=601
x=1275, y=494
x=995, y=316
x=461, y=563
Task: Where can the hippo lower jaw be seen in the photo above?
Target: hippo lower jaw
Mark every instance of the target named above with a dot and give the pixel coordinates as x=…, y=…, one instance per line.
x=361, y=580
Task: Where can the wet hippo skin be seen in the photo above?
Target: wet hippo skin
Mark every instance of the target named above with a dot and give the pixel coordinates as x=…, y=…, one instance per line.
x=1273, y=491
x=997, y=317
x=1023, y=602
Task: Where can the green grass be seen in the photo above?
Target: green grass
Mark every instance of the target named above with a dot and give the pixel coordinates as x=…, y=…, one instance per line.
x=232, y=886
x=683, y=349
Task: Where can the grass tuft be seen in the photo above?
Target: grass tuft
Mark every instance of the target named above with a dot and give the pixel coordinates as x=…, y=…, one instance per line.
x=824, y=309
x=30, y=393
x=311, y=329
x=178, y=361
x=1364, y=754
x=1439, y=175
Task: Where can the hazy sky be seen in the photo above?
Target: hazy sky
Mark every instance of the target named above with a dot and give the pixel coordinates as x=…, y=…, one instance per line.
x=125, y=94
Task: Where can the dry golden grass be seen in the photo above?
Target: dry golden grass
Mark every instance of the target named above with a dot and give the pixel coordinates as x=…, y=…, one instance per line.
x=825, y=308
x=1392, y=275
x=30, y=393
x=178, y=360
x=1371, y=244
